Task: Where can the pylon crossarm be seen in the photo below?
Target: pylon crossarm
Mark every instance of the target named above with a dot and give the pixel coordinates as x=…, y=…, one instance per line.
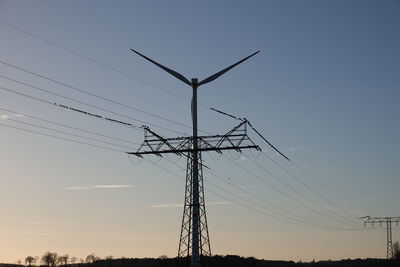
x=176, y=151
x=236, y=139
x=161, y=140
x=231, y=132
x=380, y=220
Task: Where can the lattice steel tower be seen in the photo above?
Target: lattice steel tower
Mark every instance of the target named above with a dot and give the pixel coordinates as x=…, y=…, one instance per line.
x=194, y=237
x=388, y=221
x=186, y=229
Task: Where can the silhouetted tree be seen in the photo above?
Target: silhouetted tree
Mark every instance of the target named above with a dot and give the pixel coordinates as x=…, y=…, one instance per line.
x=92, y=258
x=63, y=260
x=35, y=260
x=29, y=260
x=396, y=250
x=74, y=260
x=50, y=259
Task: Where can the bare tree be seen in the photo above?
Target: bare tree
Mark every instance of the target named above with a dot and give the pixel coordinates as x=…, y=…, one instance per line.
x=50, y=259
x=29, y=260
x=92, y=258
x=63, y=260
x=73, y=260
x=396, y=250
x=59, y=260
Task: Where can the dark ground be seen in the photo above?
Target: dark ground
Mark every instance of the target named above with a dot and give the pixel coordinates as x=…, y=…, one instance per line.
x=232, y=261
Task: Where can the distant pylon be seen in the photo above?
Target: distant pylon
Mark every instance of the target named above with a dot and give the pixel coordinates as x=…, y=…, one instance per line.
x=388, y=221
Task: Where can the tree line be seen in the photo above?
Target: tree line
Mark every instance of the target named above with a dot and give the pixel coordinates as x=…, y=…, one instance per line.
x=52, y=259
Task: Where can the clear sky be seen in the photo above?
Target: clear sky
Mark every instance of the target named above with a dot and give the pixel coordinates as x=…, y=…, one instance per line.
x=324, y=89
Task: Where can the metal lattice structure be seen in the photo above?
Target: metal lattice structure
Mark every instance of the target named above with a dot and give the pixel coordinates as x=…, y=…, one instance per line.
x=235, y=139
x=388, y=221
x=186, y=229
x=194, y=233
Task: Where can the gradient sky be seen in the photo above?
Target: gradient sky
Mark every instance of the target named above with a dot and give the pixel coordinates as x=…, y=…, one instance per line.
x=324, y=89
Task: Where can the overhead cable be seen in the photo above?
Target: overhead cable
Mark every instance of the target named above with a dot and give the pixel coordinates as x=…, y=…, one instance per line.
x=92, y=94
x=66, y=133
x=285, y=194
x=68, y=126
x=60, y=138
x=77, y=101
x=309, y=187
x=91, y=59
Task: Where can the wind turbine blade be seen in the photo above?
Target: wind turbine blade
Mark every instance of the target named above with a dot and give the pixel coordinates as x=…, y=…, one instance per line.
x=172, y=72
x=216, y=75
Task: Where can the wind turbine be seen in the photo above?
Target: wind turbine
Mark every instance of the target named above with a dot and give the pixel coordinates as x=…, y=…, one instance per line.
x=195, y=260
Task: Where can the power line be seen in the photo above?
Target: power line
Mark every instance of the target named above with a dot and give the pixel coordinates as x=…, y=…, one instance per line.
x=74, y=100
x=48, y=102
x=257, y=197
x=253, y=195
x=254, y=129
x=260, y=209
x=113, y=149
x=90, y=114
x=89, y=93
x=93, y=145
x=270, y=173
x=116, y=150
x=60, y=138
x=58, y=105
x=81, y=55
x=73, y=109
x=303, y=219
x=331, y=189
x=282, y=192
x=95, y=61
x=238, y=196
x=295, y=190
x=262, y=200
x=69, y=126
x=309, y=188
x=66, y=133
x=260, y=135
x=296, y=201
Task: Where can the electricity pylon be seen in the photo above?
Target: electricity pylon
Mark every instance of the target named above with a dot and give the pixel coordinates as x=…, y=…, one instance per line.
x=388, y=221
x=236, y=139
x=194, y=232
